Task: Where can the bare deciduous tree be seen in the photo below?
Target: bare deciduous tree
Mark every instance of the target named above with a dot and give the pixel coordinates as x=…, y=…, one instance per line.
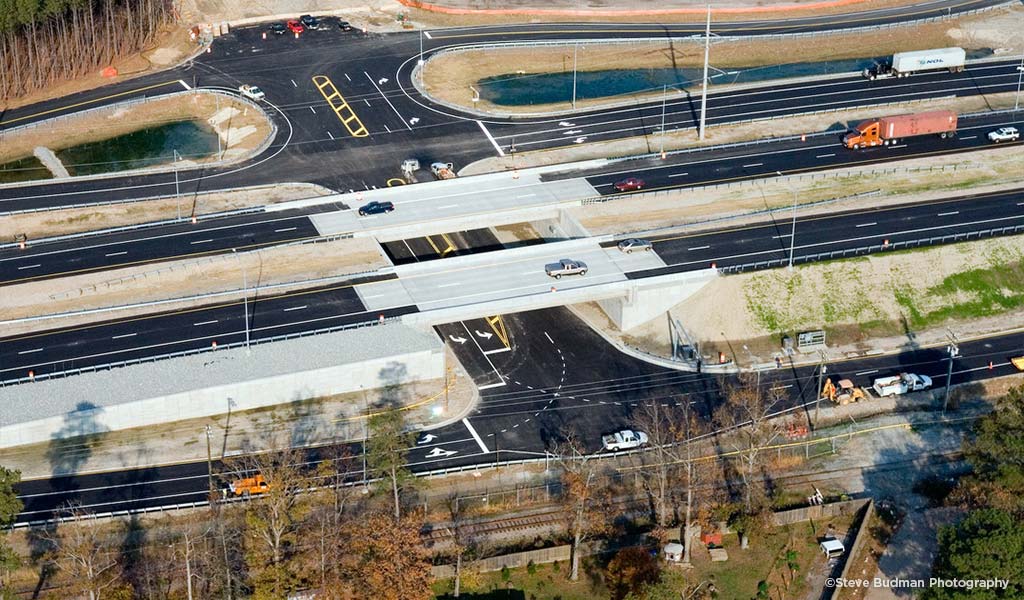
x=584, y=498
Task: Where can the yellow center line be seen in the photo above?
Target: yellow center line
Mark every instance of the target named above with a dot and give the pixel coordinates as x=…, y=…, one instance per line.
x=85, y=102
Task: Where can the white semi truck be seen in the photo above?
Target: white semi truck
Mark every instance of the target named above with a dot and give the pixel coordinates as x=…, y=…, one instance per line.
x=901, y=384
x=904, y=64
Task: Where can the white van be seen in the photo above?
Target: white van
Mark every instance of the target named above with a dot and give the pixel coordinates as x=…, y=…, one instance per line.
x=832, y=548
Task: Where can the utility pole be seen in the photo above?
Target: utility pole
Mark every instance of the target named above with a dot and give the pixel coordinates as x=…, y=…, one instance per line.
x=209, y=462
x=704, y=87
x=822, y=368
x=575, y=50
x=420, y=61
x=954, y=351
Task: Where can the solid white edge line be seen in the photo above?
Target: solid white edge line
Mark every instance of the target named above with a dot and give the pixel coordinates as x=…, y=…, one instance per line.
x=491, y=385
x=490, y=137
x=476, y=436
x=498, y=351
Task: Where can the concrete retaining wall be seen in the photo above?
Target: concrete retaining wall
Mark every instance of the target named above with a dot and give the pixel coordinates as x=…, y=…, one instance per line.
x=652, y=297
x=218, y=382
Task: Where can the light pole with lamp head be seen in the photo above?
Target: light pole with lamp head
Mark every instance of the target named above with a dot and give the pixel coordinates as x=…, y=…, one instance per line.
x=792, y=231
x=1020, y=75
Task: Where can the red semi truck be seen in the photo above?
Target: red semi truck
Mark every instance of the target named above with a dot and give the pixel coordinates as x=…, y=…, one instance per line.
x=889, y=130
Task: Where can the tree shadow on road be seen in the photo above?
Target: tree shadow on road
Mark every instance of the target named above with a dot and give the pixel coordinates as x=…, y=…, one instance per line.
x=71, y=446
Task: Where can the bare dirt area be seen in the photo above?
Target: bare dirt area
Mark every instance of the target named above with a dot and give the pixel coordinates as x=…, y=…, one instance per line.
x=77, y=220
x=865, y=304
x=170, y=48
x=331, y=419
x=151, y=282
x=448, y=76
x=241, y=128
x=726, y=134
x=914, y=180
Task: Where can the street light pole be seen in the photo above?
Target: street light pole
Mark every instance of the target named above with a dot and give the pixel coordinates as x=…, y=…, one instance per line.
x=420, y=62
x=704, y=87
x=822, y=368
x=575, y=50
x=245, y=297
x=954, y=351
x=1020, y=74
x=792, y=231
x=664, y=93
x=177, y=189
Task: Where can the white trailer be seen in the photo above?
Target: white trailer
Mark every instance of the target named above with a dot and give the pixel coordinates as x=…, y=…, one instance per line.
x=904, y=64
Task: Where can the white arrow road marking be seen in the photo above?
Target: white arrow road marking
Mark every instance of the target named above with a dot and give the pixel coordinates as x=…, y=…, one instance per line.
x=565, y=124
x=580, y=140
x=440, y=452
x=414, y=120
x=572, y=132
x=427, y=438
x=458, y=340
x=485, y=334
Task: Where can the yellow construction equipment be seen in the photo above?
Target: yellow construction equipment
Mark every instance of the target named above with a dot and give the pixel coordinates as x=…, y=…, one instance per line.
x=1018, y=362
x=844, y=393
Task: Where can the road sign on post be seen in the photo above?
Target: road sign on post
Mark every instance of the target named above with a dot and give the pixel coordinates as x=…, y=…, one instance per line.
x=810, y=340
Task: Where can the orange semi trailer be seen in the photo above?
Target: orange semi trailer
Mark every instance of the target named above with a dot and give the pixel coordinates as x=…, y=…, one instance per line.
x=889, y=130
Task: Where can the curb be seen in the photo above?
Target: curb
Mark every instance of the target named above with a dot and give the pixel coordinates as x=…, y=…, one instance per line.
x=430, y=7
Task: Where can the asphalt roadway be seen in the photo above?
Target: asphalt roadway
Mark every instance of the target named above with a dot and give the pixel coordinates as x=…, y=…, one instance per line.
x=372, y=75
x=687, y=169
x=554, y=376
x=852, y=232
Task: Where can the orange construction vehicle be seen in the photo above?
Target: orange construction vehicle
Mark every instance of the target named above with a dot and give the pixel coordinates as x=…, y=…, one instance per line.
x=841, y=394
x=249, y=486
x=890, y=130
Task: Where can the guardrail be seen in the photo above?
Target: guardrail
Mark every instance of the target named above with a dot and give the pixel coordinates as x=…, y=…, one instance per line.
x=875, y=248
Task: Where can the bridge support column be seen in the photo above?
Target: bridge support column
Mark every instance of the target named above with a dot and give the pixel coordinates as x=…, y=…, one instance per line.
x=652, y=297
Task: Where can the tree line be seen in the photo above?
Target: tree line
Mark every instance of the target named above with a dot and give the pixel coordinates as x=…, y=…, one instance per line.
x=45, y=42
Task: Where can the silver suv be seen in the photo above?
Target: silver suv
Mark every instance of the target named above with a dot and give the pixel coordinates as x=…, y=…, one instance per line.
x=1004, y=134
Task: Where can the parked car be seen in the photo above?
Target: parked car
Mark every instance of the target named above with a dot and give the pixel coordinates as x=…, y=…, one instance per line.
x=295, y=26
x=376, y=208
x=252, y=92
x=630, y=184
x=278, y=29
x=310, y=22
x=635, y=244
x=566, y=266
x=1004, y=134
x=344, y=26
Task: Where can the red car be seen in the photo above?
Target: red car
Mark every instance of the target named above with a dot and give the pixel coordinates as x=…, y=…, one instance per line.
x=629, y=185
x=295, y=26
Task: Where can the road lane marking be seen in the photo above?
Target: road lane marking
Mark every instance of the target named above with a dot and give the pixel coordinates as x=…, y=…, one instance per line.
x=779, y=237
x=31, y=351
x=446, y=285
x=867, y=372
x=867, y=224
x=949, y=214
x=285, y=229
x=303, y=307
x=29, y=267
x=549, y=337
x=200, y=241
x=126, y=335
x=825, y=155
x=447, y=206
x=340, y=106
x=753, y=165
x=476, y=436
x=347, y=77
x=294, y=84
x=400, y=117
x=427, y=33
x=970, y=137
x=184, y=85
x=677, y=175
x=116, y=253
x=498, y=351
x=311, y=110
x=93, y=101
x=699, y=248
x=490, y=138
x=491, y=386
x=331, y=135
x=205, y=323
x=386, y=127
x=899, y=146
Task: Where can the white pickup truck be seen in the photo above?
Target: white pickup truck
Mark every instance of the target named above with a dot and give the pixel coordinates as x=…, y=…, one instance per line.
x=252, y=92
x=566, y=266
x=901, y=384
x=624, y=440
